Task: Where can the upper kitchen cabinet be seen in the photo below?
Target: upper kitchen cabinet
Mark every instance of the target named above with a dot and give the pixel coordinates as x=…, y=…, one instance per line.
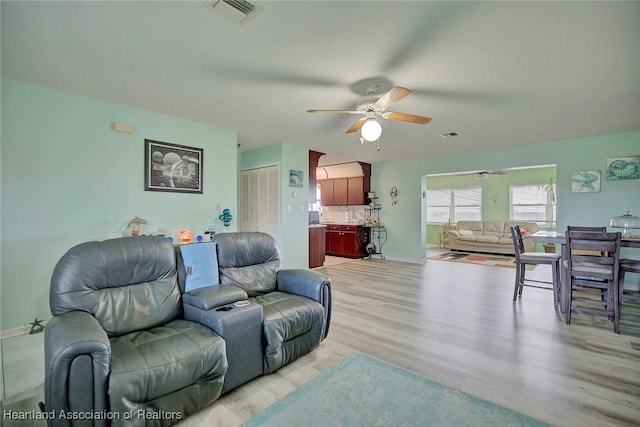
x=344, y=184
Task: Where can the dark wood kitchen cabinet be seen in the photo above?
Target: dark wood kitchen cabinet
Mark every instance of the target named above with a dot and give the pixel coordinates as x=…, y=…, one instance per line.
x=334, y=192
x=344, y=191
x=317, y=245
x=355, y=191
x=348, y=241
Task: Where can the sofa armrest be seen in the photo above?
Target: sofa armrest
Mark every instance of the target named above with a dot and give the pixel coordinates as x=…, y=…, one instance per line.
x=306, y=283
x=209, y=297
x=310, y=284
x=77, y=365
x=453, y=239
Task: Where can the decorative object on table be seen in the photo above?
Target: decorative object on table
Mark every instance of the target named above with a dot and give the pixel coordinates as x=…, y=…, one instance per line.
x=585, y=182
x=135, y=226
x=226, y=217
x=211, y=232
x=619, y=168
x=171, y=167
x=36, y=326
x=295, y=178
x=627, y=221
x=185, y=236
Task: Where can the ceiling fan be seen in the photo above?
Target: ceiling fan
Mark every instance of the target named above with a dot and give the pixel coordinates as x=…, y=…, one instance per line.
x=374, y=106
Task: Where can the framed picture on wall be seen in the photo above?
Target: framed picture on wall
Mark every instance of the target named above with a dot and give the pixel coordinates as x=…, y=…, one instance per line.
x=295, y=178
x=172, y=167
x=585, y=182
x=619, y=168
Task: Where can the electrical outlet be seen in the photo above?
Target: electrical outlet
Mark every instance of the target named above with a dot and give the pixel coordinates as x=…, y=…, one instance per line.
x=289, y=208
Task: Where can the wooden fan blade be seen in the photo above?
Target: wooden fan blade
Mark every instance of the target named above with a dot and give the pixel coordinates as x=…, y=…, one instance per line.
x=404, y=117
x=391, y=97
x=356, y=125
x=336, y=111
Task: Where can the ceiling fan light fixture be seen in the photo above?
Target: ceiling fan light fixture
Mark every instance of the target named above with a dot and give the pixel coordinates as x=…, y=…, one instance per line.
x=371, y=130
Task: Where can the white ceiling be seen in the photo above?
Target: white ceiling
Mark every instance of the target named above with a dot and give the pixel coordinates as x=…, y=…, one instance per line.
x=498, y=73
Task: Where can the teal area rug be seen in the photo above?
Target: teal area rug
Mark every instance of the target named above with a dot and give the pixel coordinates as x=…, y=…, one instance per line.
x=364, y=391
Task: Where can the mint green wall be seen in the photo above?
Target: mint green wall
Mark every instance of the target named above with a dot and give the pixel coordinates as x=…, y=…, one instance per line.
x=68, y=178
x=293, y=237
x=495, y=191
x=294, y=221
x=406, y=224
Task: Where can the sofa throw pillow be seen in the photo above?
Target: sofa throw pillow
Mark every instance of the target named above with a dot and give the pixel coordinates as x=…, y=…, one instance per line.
x=465, y=232
x=200, y=265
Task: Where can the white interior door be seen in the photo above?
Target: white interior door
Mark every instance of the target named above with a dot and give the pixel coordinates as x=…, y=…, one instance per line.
x=259, y=200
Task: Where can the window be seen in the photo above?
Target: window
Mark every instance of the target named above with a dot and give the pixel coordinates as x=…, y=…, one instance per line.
x=533, y=203
x=454, y=205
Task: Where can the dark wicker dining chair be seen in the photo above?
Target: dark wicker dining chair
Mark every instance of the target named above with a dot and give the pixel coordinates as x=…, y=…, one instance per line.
x=592, y=229
x=592, y=272
x=626, y=266
x=534, y=258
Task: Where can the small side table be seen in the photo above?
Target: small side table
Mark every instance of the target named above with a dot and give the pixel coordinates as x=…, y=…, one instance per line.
x=443, y=236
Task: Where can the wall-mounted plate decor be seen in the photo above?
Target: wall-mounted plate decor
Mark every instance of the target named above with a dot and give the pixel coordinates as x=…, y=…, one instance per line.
x=619, y=168
x=585, y=182
x=171, y=167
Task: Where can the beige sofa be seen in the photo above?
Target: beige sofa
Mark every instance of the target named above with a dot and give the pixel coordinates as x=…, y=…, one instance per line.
x=490, y=236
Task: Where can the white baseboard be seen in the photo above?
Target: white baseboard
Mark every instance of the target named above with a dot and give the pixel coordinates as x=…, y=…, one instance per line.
x=14, y=332
x=8, y=333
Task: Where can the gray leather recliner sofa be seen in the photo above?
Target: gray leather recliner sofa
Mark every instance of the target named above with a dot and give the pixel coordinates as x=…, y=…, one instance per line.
x=128, y=345
x=118, y=349
x=288, y=312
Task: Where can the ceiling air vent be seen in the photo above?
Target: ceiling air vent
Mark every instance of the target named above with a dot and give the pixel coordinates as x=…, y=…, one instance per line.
x=238, y=11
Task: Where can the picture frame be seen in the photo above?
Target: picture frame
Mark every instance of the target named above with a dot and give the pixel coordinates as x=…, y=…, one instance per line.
x=295, y=178
x=172, y=167
x=585, y=181
x=622, y=168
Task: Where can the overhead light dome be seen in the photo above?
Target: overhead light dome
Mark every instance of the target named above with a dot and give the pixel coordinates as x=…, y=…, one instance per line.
x=371, y=130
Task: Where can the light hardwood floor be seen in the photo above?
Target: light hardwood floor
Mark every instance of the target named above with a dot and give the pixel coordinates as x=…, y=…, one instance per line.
x=456, y=324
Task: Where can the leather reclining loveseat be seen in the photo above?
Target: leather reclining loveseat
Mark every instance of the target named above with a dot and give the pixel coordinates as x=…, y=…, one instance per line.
x=145, y=333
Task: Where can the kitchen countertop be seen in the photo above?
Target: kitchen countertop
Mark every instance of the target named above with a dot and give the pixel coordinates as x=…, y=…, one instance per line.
x=317, y=225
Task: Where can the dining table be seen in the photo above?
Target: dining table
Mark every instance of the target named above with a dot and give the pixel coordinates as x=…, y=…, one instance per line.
x=560, y=238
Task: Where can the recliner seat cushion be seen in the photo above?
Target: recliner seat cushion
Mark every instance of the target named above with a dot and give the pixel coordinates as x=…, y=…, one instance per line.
x=150, y=364
x=292, y=327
